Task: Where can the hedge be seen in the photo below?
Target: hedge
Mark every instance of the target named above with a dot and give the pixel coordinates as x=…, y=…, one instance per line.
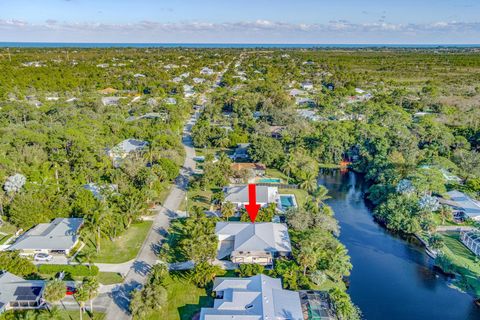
x=73, y=270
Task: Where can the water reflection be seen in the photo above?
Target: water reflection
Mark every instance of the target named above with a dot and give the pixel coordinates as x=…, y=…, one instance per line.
x=392, y=277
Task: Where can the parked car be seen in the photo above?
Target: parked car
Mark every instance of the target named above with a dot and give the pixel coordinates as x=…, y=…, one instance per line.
x=70, y=291
x=42, y=257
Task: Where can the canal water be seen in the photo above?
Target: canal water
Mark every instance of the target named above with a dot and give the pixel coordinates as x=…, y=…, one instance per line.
x=392, y=277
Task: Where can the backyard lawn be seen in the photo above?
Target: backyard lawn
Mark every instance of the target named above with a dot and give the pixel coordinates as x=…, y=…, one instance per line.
x=184, y=299
x=300, y=195
x=466, y=263
x=124, y=247
x=64, y=315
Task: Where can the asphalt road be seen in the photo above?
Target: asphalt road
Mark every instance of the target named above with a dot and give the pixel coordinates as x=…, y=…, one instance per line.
x=147, y=256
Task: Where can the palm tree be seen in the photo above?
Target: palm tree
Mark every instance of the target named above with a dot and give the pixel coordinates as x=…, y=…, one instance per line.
x=320, y=195
x=54, y=291
x=307, y=257
x=91, y=286
x=309, y=183
x=288, y=166
x=81, y=295
x=228, y=210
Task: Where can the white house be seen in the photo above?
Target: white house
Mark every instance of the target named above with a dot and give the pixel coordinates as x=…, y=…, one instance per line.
x=307, y=85
x=124, y=148
x=246, y=242
x=254, y=298
x=58, y=236
x=206, y=71
x=238, y=195
x=463, y=204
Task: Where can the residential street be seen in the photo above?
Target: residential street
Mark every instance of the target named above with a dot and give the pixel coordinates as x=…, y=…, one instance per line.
x=136, y=276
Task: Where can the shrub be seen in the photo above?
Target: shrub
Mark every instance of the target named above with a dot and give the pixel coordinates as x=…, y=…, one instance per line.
x=249, y=269
x=72, y=270
x=12, y=262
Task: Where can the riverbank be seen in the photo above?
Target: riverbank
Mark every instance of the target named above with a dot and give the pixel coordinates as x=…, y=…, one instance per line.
x=406, y=285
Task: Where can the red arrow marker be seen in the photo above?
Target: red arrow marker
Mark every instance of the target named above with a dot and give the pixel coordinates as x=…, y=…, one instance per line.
x=252, y=208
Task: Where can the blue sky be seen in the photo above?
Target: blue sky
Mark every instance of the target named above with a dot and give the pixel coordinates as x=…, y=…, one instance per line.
x=241, y=21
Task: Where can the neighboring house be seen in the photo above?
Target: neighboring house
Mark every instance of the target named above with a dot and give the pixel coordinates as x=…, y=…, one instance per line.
x=139, y=75
x=257, y=169
x=188, y=91
x=255, y=298
x=99, y=191
x=463, y=204
x=307, y=85
x=110, y=101
x=308, y=114
x=19, y=294
x=58, y=236
x=246, y=242
x=302, y=101
x=170, y=100
x=206, y=71
x=124, y=148
x=198, y=80
x=238, y=195
x=241, y=151
x=296, y=92
x=276, y=131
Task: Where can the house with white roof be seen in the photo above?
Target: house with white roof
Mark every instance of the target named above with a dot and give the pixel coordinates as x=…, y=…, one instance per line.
x=124, y=148
x=246, y=242
x=255, y=298
x=19, y=294
x=170, y=100
x=58, y=236
x=238, y=195
x=198, y=80
x=307, y=85
x=206, y=71
x=463, y=204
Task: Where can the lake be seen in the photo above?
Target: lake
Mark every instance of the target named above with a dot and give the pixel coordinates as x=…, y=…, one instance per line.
x=392, y=276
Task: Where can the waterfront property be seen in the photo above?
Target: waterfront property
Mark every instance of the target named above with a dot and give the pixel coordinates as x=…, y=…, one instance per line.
x=19, y=294
x=238, y=195
x=257, y=297
x=246, y=242
x=57, y=237
x=286, y=201
x=316, y=305
x=463, y=204
x=471, y=239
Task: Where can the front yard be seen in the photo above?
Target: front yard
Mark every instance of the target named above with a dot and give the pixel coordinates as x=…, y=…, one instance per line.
x=124, y=247
x=184, y=299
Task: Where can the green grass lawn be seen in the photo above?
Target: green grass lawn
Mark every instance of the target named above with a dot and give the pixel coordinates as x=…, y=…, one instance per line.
x=197, y=198
x=274, y=173
x=300, y=195
x=6, y=227
x=5, y=237
x=64, y=314
x=109, y=278
x=123, y=248
x=466, y=263
x=184, y=299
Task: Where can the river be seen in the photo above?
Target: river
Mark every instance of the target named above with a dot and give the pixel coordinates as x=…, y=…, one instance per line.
x=392, y=277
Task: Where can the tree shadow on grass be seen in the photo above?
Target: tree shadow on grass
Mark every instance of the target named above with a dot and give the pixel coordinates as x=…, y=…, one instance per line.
x=192, y=311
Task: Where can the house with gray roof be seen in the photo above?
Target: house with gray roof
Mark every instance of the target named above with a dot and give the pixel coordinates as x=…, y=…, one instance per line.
x=241, y=152
x=18, y=294
x=255, y=298
x=246, y=242
x=238, y=195
x=124, y=148
x=58, y=236
x=463, y=204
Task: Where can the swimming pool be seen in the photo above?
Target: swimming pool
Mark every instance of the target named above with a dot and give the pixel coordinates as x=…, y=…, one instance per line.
x=269, y=180
x=287, y=201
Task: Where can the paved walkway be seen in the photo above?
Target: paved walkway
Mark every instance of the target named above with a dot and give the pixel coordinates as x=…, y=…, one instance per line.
x=147, y=257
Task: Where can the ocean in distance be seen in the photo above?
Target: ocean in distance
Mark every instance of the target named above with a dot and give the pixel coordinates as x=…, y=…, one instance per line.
x=224, y=45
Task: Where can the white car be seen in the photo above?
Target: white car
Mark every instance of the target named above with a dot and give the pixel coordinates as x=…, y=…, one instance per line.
x=42, y=257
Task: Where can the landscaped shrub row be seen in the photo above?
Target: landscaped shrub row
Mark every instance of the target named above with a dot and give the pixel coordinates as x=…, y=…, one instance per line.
x=73, y=270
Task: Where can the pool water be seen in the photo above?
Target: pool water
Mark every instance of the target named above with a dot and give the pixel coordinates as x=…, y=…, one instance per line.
x=287, y=201
x=269, y=180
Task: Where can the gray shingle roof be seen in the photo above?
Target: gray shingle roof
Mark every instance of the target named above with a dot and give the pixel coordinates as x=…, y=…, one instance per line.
x=60, y=234
x=465, y=203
